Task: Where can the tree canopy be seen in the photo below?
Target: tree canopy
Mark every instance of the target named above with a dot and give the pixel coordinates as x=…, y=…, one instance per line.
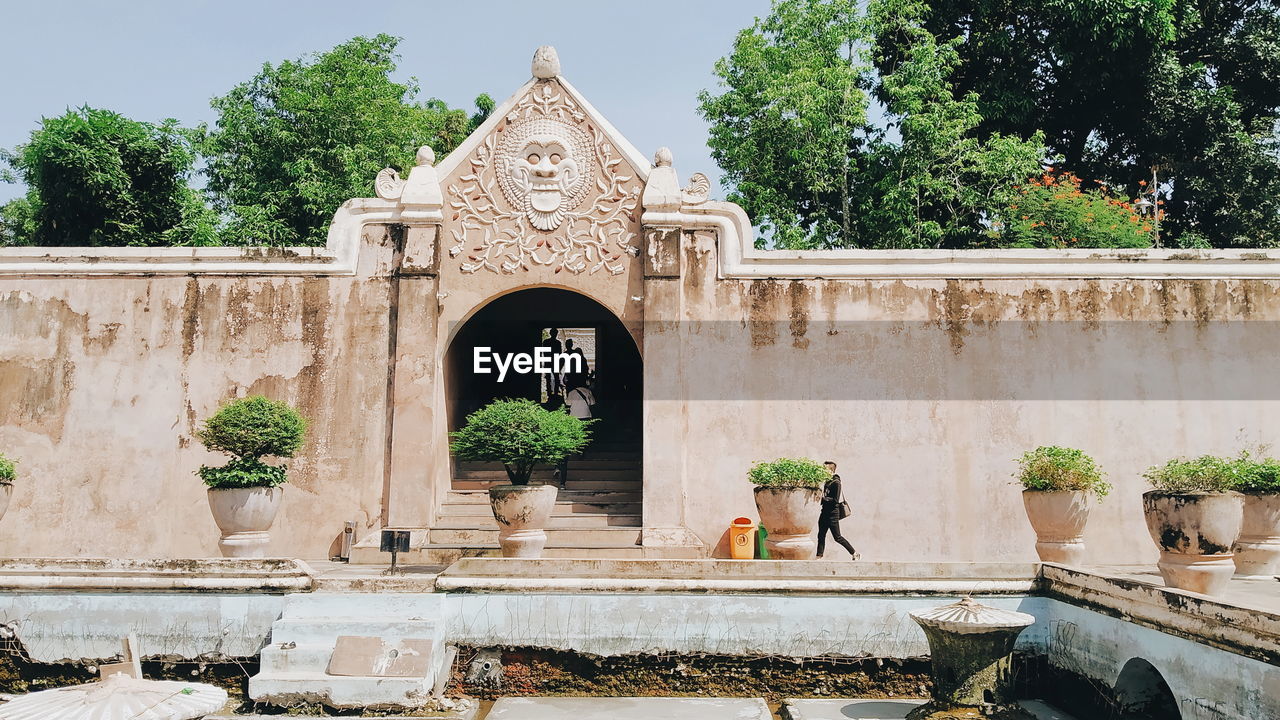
x=974, y=96
x=300, y=138
x=95, y=177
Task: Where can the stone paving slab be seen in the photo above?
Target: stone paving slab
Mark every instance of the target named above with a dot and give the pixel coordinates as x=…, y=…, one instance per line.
x=848, y=709
x=887, y=709
x=645, y=708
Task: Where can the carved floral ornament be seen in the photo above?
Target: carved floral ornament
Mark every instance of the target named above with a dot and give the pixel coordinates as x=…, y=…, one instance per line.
x=562, y=197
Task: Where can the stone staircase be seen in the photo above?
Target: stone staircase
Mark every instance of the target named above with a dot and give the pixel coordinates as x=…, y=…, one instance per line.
x=294, y=667
x=597, y=513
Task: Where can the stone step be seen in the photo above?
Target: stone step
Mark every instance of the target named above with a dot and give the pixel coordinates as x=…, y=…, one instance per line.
x=575, y=483
x=449, y=553
x=567, y=521
x=309, y=688
x=613, y=537
x=320, y=630
x=548, y=475
x=593, y=463
x=329, y=605
x=565, y=509
x=589, y=497
x=304, y=657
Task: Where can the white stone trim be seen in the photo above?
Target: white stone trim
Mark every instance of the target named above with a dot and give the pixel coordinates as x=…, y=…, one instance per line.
x=339, y=256
x=739, y=258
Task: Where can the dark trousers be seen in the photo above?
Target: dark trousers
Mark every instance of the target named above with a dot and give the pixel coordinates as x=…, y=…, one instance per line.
x=826, y=523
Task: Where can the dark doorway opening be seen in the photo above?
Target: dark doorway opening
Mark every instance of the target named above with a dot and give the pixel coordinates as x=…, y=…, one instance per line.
x=519, y=323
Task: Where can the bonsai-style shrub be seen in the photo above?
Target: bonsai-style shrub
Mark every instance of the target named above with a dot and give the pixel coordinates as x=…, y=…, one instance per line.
x=519, y=434
x=1203, y=474
x=788, y=473
x=8, y=473
x=1050, y=468
x=1258, y=477
x=248, y=430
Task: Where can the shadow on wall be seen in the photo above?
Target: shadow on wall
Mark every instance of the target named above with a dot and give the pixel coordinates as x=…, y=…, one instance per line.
x=1142, y=693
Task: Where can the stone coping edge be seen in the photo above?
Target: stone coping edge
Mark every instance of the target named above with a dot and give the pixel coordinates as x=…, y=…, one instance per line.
x=205, y=575
x=736, y=587
x=1250, y=632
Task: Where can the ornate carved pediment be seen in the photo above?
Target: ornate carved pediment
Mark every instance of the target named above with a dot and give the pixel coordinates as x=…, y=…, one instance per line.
x=546, y=187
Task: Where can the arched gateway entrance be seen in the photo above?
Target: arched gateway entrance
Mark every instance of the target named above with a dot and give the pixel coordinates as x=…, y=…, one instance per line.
x=599, y=506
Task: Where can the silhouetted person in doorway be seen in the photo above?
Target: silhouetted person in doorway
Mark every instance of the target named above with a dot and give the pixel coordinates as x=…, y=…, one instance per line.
x=832, y=513
x=553, y=378
x=580, y=403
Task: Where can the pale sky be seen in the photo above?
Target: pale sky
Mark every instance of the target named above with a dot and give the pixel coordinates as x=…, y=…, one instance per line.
x=640, y=63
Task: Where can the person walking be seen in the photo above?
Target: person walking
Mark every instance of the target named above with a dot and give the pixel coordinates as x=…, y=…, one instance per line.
x=552, y=343
x=834, y=509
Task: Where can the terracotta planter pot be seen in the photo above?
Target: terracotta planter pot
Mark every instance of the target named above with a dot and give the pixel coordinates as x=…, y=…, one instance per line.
x=6, y=492
x=522, y=512
x=1195, y=533
x=1258, y=549
x=1058, y=517
x=244, y=515
x=790, y=515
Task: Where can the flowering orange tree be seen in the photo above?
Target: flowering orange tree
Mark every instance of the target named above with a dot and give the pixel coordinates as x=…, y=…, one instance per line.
x=1053, y=211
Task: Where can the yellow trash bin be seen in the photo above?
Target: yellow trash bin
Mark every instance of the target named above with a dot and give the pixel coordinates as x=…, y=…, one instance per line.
x=742, y=536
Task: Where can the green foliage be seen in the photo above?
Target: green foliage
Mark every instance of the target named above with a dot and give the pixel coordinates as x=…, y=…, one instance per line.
x=1117, y=86
x=1258, y=476
x=96, y=177
x=243, y=472
x=1052, y=468
x=788, y=473
x=253, y=427
x=248, y=429
x=519, y=434
x=1053, y=211
x=791, y=132
x=1203, y=474
x=8, y=471
x=943, y=182
x=302, y=137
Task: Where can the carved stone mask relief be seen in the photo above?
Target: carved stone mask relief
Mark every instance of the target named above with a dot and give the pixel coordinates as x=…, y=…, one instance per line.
x=544, y=169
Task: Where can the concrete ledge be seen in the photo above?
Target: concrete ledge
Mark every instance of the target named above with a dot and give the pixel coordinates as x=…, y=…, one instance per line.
x=1250, y=631
x=495, y=575
x=210, y=575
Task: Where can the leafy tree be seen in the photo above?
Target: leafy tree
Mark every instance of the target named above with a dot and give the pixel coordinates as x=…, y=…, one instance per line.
x=792, y=133
x=1117, y=86
x=302, y=137
x=790, y=130
x=96, y=177
x=942, y=183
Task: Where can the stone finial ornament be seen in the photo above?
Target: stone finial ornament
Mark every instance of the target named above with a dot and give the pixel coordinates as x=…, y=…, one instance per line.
x=971, y=650
x=698, y=189
x=663, y=157
x=662, y=192
x=546, y=63
x=419, y=193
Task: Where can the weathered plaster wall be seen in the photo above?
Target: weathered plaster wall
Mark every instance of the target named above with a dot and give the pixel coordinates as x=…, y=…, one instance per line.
x=925, y=391
x=103, y=381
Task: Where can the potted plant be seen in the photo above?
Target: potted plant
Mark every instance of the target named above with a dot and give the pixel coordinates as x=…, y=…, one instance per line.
x=8, y=473
x=1059, y=487
x=1257, y=551
x=245, y=494
x=520, y=434
x=789, y=497
x=1194, y=515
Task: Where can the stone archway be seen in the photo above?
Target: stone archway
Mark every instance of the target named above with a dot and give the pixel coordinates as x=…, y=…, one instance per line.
x=599, y=512
x=1142, y=693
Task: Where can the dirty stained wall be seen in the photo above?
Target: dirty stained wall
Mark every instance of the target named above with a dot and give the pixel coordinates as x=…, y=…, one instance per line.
x=103, y=381
x=926, y=390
